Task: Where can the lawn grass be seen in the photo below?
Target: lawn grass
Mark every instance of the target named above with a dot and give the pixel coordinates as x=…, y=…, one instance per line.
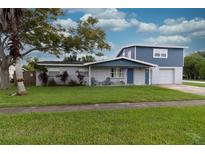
x=182, y=125
x=194, y=84
x=38, y=96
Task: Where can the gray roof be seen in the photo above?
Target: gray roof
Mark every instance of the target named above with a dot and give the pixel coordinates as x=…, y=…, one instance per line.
x=60, y=63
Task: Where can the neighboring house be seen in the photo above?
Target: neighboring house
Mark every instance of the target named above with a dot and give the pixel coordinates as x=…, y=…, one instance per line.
x=135, y=64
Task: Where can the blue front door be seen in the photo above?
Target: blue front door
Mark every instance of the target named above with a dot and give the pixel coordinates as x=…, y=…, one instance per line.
x=129, y=76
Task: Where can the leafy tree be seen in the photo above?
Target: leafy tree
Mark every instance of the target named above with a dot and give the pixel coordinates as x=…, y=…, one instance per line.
x=202, y=70
x=87, y=58
x=202, y=53
x=10, y=20
x=194, y=66
x=31, y=64
x=37, y=32
x=86, y=38
x=73, y=58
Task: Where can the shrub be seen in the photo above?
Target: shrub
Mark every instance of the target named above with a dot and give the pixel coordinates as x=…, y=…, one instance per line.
x=64, y=76
x=80, y=77
x=43, y=77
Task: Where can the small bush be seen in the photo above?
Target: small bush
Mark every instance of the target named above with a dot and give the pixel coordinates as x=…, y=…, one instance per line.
x=64, y=76
x=80, y=78
x=43, y=77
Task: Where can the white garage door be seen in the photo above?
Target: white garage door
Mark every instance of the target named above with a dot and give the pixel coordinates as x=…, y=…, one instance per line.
x=166, y=76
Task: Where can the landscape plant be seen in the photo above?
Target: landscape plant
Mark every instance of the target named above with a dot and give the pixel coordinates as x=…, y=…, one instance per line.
x=39, y=31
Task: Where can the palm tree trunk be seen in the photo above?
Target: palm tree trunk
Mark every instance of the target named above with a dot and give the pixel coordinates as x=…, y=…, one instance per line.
x=4, y=70
x=4, y=79
x=21, y=90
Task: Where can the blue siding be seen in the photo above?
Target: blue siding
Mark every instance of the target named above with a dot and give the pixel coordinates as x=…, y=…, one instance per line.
x=175, y=56
x=120, y=63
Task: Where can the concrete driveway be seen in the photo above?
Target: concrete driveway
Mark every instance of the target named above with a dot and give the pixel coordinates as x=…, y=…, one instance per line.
x=186, y=88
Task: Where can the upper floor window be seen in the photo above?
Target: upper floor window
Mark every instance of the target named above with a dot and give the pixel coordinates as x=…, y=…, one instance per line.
x=129, y=54
x=123, y=53
x=160, y=53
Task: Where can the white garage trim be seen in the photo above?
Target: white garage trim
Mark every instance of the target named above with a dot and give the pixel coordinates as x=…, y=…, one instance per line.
x=166, y=75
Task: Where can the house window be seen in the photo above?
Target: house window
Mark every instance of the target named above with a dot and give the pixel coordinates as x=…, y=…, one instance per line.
x=123, y=53
x=53, y=73
x=160, y=53
x=117, y=73
x=129, y=53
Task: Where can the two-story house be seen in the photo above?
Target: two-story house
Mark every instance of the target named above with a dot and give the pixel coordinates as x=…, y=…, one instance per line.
x=135, y=64
x=169, y=61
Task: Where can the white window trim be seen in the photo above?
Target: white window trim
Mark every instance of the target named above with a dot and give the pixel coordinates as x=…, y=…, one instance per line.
x=116, y=72
x=160, y=52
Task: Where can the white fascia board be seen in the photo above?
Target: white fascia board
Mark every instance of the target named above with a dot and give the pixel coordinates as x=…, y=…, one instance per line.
x=60, y=64
x=159, y=46
x=139, y=61
x=117, y=58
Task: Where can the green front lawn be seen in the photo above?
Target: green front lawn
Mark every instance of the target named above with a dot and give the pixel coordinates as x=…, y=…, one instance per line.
x=184, y=125
x=81, y=95
x=194, y=84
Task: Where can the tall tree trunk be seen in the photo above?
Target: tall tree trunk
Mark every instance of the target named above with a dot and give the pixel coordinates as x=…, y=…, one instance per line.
x=4, y=70
x=4, y=78
x=21, y=90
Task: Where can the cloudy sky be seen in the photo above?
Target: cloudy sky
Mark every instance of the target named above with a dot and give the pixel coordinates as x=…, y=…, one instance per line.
x=144, y=26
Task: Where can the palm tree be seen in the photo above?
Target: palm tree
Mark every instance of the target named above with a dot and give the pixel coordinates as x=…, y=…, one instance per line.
x=10, y=20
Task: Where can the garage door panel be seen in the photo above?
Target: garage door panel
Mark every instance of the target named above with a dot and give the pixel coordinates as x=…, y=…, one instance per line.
x=166, y=76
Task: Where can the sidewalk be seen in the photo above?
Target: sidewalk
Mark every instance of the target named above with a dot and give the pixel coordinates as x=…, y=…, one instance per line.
x=110, y=106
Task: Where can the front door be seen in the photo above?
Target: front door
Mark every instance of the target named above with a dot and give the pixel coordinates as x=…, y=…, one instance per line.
x=129, y=76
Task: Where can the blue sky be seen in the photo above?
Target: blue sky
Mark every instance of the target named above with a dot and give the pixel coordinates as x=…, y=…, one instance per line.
x=123, y=27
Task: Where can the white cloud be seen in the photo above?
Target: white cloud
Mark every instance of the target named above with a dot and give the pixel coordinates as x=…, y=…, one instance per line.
x=147, y=27
x=85, y=17
x=113, y=19
x=111, y=24
x=179, y=31
x=142, y=26
x=197, y=34
x=102, y=13
x=181, y=25
x=173, y=39
x=114, y=24
x=65, y=23
x=110, y=19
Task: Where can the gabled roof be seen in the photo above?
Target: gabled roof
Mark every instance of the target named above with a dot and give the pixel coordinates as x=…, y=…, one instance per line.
x=154, y=46
x=61, y=63
x=121, y=58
